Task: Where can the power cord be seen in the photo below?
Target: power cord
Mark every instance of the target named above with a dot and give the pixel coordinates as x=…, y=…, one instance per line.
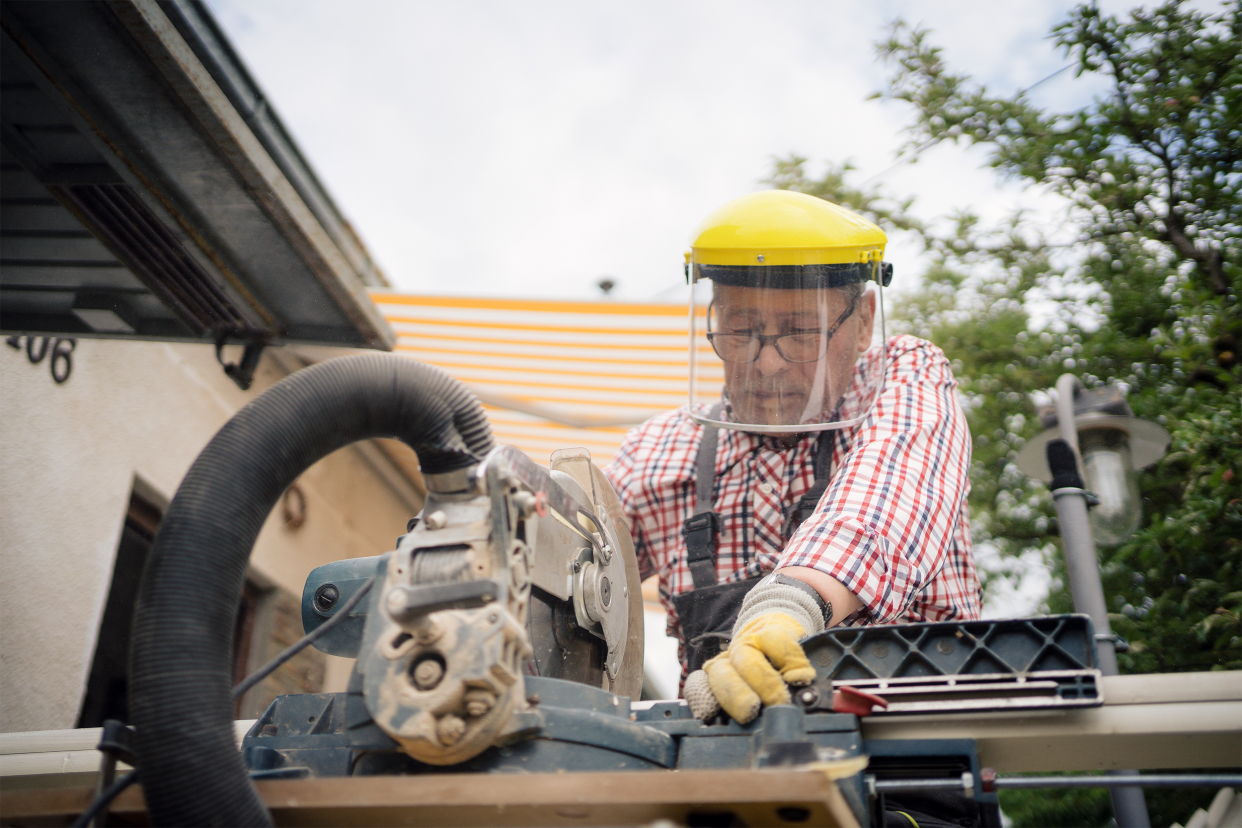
x=105, y=799
x=267, y=669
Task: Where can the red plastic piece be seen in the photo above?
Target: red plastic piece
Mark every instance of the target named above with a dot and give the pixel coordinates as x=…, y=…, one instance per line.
x=858, y=702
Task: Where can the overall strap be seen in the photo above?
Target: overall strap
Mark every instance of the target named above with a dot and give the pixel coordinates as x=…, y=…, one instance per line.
x=701, y=529
x=823, y=471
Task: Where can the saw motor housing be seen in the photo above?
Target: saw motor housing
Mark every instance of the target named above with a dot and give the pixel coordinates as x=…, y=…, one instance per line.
x=447, y=637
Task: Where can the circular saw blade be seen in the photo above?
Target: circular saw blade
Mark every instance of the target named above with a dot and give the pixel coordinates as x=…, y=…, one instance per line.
x=561, y=648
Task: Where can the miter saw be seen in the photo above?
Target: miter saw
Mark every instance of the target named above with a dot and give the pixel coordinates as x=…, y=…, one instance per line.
x=504, y=634
x=510, y=570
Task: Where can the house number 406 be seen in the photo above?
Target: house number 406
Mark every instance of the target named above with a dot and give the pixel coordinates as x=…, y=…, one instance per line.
x=39, y=348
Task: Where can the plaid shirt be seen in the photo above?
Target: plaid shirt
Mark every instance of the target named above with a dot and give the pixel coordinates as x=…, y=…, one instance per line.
x=892, y=525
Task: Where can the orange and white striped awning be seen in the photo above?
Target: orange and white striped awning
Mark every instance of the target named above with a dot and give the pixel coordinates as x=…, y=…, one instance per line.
x=557, y=374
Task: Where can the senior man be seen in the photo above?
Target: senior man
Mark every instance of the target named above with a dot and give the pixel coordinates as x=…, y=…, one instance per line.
x=827, y=485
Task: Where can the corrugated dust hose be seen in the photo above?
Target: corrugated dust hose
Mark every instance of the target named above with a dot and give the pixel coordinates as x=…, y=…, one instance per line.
x=181, y=656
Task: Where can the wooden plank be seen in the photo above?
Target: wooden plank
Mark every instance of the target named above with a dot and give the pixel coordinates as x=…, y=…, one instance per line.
x=763, y=797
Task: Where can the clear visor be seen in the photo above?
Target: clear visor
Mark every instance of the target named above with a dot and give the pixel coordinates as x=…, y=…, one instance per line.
x=785, y=353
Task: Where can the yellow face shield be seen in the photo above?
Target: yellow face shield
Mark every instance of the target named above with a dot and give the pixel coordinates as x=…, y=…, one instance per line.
x=794, y=359
x=793, y=320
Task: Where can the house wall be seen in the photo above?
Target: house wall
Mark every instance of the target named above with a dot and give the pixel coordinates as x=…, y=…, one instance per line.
x=137, y=413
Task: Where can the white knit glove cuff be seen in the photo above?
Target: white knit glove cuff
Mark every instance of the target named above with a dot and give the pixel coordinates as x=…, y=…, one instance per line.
x=777, y=597
x=699, y=696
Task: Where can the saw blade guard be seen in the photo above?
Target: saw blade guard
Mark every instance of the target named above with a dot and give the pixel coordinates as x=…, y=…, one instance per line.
x=610, y=595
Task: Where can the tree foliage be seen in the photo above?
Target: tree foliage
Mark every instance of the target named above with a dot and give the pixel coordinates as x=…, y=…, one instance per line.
x=1140, y=286
x=1153, y=173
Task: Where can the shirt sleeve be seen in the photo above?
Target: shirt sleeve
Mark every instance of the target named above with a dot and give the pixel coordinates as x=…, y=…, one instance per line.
x=886, y=525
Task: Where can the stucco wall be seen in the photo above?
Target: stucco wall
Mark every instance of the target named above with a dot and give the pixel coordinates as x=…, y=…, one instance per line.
x=69, y=456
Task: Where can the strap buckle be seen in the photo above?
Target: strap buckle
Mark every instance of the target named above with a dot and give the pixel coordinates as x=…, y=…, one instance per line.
x=700, y=532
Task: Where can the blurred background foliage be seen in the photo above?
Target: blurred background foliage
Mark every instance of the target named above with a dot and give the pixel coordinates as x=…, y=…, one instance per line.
x=1140, y=286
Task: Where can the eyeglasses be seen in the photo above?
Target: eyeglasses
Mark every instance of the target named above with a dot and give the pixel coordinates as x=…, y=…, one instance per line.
x=792, y=347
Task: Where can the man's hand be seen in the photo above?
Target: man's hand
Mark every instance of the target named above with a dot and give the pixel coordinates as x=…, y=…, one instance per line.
x=764, y=657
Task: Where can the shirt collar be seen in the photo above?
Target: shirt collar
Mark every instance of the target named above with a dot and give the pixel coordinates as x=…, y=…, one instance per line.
x=735, y=445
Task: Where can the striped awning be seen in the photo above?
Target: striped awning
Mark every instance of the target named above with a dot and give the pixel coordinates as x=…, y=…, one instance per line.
x=557, y=374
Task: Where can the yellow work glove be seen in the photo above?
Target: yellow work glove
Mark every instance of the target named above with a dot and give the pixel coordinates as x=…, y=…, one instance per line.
x=764, y=658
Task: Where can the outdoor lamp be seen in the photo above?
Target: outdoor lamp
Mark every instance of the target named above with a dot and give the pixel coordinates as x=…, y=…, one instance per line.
x=1111, y=444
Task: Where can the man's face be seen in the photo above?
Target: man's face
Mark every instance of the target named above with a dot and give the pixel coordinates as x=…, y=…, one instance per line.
x=772, y=390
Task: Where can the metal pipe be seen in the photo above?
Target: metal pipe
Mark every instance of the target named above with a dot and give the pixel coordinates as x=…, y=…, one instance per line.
x=1129, y=781
x=1129, y=807
x=897, y=785
x=1084, y=570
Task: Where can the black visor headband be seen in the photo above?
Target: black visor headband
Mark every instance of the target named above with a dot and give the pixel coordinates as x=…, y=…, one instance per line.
x=791, y=277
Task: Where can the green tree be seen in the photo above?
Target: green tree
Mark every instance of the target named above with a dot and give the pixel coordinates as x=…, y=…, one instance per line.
x=1153, y=171
x=1146, y=293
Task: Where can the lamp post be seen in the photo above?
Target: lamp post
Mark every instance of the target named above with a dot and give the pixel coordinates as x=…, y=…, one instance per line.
x=1109, y=443
x=1097, y=432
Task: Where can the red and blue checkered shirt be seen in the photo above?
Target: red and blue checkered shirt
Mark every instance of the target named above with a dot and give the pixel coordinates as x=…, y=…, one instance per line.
x=892, y=525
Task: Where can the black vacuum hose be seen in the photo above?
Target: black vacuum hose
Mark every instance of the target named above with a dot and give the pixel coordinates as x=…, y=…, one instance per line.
x=182, y=651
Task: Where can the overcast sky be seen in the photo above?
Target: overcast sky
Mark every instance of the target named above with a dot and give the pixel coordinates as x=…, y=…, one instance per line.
x=529, y=149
